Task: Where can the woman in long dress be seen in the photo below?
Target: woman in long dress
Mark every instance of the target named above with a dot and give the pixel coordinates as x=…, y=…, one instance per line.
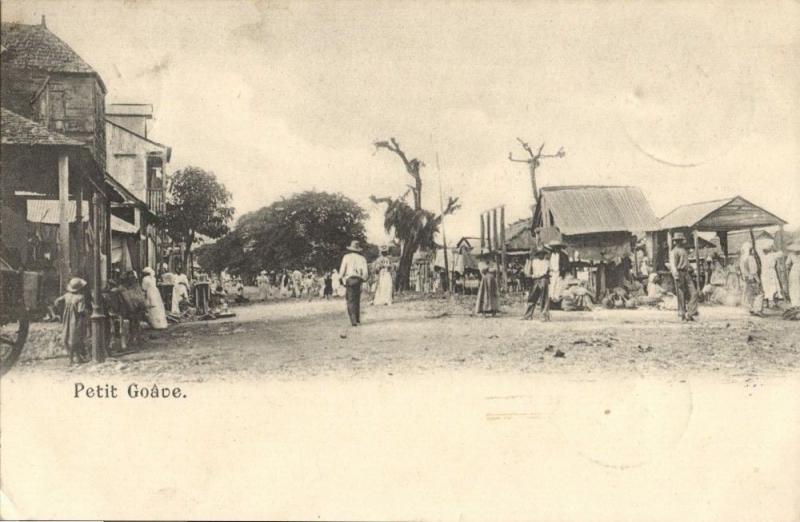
x=336, y=285
x=383, y=267
x=488, y=295
x=180, y=290
x=793, y=266
x=155, y=313
x=769, y=275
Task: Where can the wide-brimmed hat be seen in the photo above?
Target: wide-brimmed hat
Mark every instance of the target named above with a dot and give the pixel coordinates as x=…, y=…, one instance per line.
x=555, y=243
x=678, y=236
x=541, y=249
x=263, y=272
x=354, y=246
x=147, y=270
x=76, y=284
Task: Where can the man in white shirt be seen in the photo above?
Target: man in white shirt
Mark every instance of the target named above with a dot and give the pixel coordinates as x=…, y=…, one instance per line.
x=352, y=274
x=539, y=270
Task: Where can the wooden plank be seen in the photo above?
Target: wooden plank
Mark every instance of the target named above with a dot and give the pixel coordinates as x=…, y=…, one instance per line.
x=63, y=220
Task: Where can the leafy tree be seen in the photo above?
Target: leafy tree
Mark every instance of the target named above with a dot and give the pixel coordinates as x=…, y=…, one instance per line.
x=197, y=204
x=414, y=227
x=310, y=229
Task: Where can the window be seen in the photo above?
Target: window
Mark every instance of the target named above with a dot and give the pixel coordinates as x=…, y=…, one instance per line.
x=58, y=110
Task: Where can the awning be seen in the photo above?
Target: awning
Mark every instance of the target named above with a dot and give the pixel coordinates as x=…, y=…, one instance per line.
x=120, y=225
x=46, y=211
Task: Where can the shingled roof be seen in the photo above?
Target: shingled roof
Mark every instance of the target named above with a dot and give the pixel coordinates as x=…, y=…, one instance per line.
x=18, y=130
x=35, y=47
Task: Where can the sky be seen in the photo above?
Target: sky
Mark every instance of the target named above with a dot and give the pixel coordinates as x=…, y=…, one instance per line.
x=688, y=101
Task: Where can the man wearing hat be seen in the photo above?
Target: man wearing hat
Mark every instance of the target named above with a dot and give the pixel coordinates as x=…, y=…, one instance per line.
x=262, y=281
x=539, y=271
x=352, y=274
x=684, y=286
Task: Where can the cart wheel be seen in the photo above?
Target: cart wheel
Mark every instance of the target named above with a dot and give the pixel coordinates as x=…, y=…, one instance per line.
x=12, y=338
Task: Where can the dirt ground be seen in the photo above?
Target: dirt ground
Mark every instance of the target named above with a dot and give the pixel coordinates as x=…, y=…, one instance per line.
x=297, y=338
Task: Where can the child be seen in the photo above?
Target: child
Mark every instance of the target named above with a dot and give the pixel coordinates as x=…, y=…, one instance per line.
x=73, y=319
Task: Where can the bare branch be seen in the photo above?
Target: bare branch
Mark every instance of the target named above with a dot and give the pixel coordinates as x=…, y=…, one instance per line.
x=378, y=200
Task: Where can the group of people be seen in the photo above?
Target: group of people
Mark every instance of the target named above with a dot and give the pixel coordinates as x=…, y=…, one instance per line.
x=763, y=284
x=127, y=297
x=295, y=283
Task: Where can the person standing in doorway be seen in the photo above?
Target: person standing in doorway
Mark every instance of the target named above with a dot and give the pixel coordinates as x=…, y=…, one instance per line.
x=352, y=273
x=684, y=286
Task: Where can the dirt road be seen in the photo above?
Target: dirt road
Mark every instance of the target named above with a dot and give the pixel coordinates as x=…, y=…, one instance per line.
x=290, y=339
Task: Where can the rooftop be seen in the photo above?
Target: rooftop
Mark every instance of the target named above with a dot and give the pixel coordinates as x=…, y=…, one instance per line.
x=587, y=209
x=18, y=130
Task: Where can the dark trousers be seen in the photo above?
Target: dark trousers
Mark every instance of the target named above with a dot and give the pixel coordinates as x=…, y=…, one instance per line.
x=539, y=294
x=687, y=295
x=353, y=296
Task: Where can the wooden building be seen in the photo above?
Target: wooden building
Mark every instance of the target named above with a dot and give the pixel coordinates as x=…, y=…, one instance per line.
x=598, y=225
x=54, y=147
x=721, y=216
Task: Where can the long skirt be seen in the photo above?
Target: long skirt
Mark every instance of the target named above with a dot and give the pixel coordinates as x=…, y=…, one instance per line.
x=383, y=290
x=488, y=296
x=179, y=293
x=794, y=285
x=156, y=315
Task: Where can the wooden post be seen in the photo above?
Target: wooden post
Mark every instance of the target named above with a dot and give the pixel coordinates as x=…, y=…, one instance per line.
x=503, y=247
x=80, y=255
x=779, y=243
x=755, y=253
x=98, y=310
x=63, y=220
x=696, y=236
x=483, y=234
x=495, y=235
x=723, y=243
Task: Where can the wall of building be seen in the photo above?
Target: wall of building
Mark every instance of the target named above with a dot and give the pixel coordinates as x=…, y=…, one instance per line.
x=127, y=159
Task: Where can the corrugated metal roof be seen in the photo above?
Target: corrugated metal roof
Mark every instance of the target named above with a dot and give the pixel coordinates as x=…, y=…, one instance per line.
x=723, y=214
x=18, y=130
x=46, y=211
x=593, y=209
x=689, y=215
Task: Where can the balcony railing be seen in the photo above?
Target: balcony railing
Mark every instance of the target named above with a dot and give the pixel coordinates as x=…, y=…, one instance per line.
x=155, y=201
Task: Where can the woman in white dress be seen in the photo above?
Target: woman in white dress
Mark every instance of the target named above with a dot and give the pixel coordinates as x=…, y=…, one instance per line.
x=180, y=290
x=793, y=266
x=769, y=275
x=156, y=315
x=338, y=287
x=383, y=267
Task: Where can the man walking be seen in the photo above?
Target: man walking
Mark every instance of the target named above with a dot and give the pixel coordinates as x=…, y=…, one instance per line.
x=352, y=275
x=684, y=286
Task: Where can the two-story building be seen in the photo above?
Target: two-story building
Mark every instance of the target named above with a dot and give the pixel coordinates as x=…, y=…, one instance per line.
x=139, y=164
x=54, y=161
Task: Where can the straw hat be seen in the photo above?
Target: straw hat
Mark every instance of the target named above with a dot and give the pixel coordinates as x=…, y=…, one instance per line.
x=555, y=243
x=354, y=246
x=148, y=271
x=76, y=284
x=678, y=236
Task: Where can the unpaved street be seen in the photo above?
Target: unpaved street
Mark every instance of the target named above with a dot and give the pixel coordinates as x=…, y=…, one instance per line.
x=291, y=339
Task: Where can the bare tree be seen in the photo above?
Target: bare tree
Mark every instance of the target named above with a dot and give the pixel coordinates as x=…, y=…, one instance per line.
x=414, y=227
x=533, y=162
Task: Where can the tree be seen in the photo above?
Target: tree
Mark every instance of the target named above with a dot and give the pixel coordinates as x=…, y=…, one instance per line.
x=197, y=204
x=414, y=227
x=310, y=229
